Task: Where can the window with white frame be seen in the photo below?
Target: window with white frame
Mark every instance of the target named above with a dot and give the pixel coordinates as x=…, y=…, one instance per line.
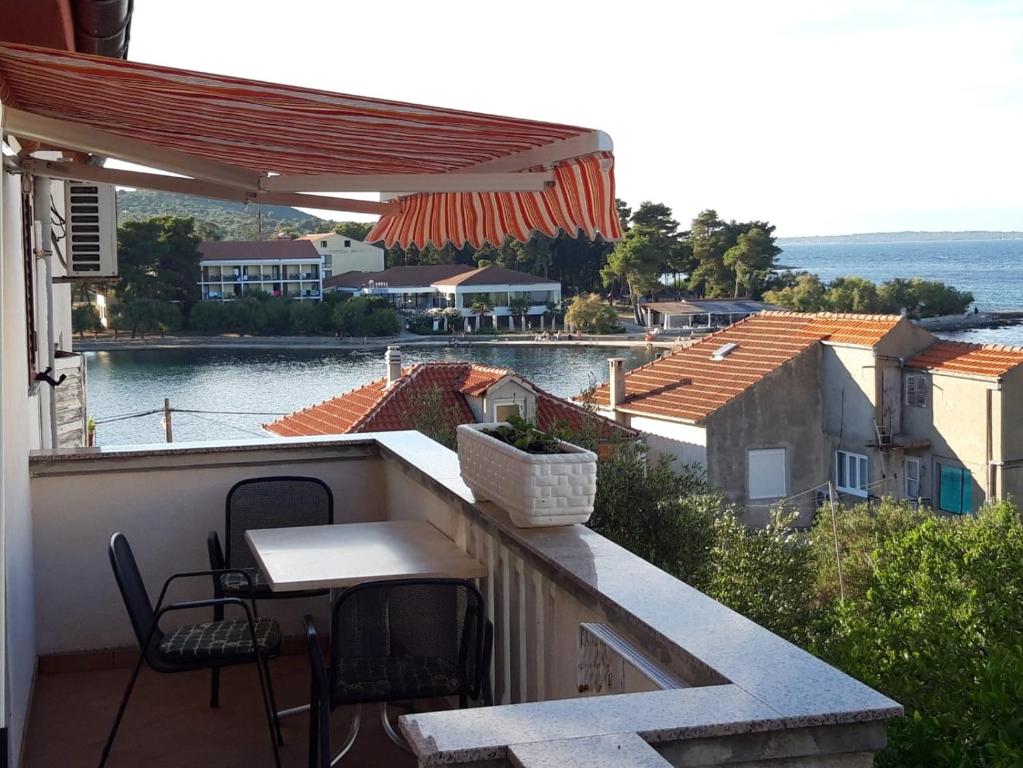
x=504, y=411
x=911, y=470
x=916, y=390
x=766, y=473
x=851, y=473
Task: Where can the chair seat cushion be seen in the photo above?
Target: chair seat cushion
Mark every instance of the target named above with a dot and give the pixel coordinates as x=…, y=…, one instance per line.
x=386, y=678
x=236, y=585
x=220, y=639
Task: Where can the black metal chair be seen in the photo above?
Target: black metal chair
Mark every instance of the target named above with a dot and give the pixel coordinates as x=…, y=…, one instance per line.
x=397, y=640
x=209, y=645
x=262, y=502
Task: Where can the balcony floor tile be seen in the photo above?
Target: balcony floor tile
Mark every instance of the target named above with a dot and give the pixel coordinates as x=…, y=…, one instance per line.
x=169, y=724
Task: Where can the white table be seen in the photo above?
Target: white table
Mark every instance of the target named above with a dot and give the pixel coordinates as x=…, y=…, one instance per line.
x=346, y=554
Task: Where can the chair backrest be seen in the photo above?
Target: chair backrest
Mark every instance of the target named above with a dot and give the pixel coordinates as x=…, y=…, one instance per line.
x=133, y=589
x=435, y=618
x=272, y=502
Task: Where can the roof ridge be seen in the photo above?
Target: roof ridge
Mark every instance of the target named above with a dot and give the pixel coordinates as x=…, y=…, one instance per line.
x=862, y=317
x=976, y=345
x=408, y=375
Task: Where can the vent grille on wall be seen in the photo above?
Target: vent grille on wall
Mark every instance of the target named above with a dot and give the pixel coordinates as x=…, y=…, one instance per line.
x=90, y=211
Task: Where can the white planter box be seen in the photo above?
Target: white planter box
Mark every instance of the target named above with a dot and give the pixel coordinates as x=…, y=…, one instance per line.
x=535, y=489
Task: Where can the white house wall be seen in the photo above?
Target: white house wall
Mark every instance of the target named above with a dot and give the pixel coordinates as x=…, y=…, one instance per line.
x=685, y=443
x=19, y=425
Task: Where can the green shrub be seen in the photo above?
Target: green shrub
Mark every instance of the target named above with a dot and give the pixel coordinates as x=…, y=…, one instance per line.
x=141, y=316
x=861, y=530
x=663, y=516
x=277, y=318
x=366, y=316
x=304, y=318
x=940, y=629
x=766, y=574
x=85, y=317
x=592, y=314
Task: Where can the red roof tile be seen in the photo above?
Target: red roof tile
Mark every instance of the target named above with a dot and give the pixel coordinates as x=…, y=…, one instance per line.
x=377, y=408
x=973, y=359
x=494, y=276
x=242, y=250
x=689, y=385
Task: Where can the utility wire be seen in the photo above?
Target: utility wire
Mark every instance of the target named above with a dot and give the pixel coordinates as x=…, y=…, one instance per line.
x=223, y=424
x=123, y=416
x=230, y=413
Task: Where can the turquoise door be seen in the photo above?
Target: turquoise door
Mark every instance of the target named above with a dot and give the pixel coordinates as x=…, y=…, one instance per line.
x=955, y=490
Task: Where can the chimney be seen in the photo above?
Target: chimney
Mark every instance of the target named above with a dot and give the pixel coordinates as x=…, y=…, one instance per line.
x=392, y=358
x=616, y=381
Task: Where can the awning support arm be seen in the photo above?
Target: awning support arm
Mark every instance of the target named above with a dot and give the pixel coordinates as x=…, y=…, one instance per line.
x=546, y=155
x=411, y=182
x=85, y=138
x=56, y=169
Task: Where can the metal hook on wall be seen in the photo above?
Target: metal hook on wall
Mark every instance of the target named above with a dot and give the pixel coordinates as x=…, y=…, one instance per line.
x=45, y=376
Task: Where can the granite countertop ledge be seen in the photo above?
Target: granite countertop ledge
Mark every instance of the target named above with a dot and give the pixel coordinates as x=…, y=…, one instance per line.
x=793, y=688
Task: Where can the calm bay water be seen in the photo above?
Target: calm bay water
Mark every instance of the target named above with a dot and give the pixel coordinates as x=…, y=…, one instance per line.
x=280, y=381
x=992, y=270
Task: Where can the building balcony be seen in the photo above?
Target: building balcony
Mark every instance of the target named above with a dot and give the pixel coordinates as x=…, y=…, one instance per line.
x=597, y=653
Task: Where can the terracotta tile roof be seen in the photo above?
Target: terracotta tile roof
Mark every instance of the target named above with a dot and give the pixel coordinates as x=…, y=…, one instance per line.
x=422, y=276
x=494, y=276
x=689, y=385
x=375, y=408
x=239, y=250
x=861, y=330
x=973, y=359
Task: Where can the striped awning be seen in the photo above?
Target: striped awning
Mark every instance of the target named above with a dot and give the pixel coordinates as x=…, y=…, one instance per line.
x=581, y=200
x=278, y=141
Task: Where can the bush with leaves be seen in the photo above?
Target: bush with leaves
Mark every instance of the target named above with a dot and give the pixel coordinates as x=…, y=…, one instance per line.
x=805, y=292
x=592, y=314
x=85, y=317
x=766, y=574
x=304, y=318
x=435, y=415
x=940, y=629
x=141, y=316
x=366, y=316
x=860, y=530
x=663, y=516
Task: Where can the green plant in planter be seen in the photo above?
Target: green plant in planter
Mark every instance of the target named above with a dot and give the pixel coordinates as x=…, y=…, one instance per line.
x=523, y=435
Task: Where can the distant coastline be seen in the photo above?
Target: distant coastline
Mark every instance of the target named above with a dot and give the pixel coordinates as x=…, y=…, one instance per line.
x=900, y=237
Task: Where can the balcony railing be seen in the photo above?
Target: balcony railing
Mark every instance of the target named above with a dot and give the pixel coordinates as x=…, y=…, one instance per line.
x=576, y=616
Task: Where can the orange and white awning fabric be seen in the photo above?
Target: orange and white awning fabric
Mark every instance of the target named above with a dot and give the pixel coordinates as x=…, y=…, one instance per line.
x=580, y=201
x=462, y=177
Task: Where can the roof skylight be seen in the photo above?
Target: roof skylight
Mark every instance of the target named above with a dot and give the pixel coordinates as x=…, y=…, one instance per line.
x=724, y=350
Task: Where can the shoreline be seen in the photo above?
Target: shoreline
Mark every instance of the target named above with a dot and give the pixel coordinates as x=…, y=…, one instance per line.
x=329, y=343
x=994, y=319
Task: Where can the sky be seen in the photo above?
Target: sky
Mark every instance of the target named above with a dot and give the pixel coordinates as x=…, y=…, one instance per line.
x=820, y=117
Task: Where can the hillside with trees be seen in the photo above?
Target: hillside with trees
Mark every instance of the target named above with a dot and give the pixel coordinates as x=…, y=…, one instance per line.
x=219, y=219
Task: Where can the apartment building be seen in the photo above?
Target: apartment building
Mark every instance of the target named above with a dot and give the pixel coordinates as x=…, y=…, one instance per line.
x=790, y=406
x=289, y=268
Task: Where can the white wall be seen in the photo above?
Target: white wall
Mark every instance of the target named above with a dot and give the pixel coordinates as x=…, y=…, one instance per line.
x=686, y=443
x=359, y=256
x=19, y=424
x=78, y=505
